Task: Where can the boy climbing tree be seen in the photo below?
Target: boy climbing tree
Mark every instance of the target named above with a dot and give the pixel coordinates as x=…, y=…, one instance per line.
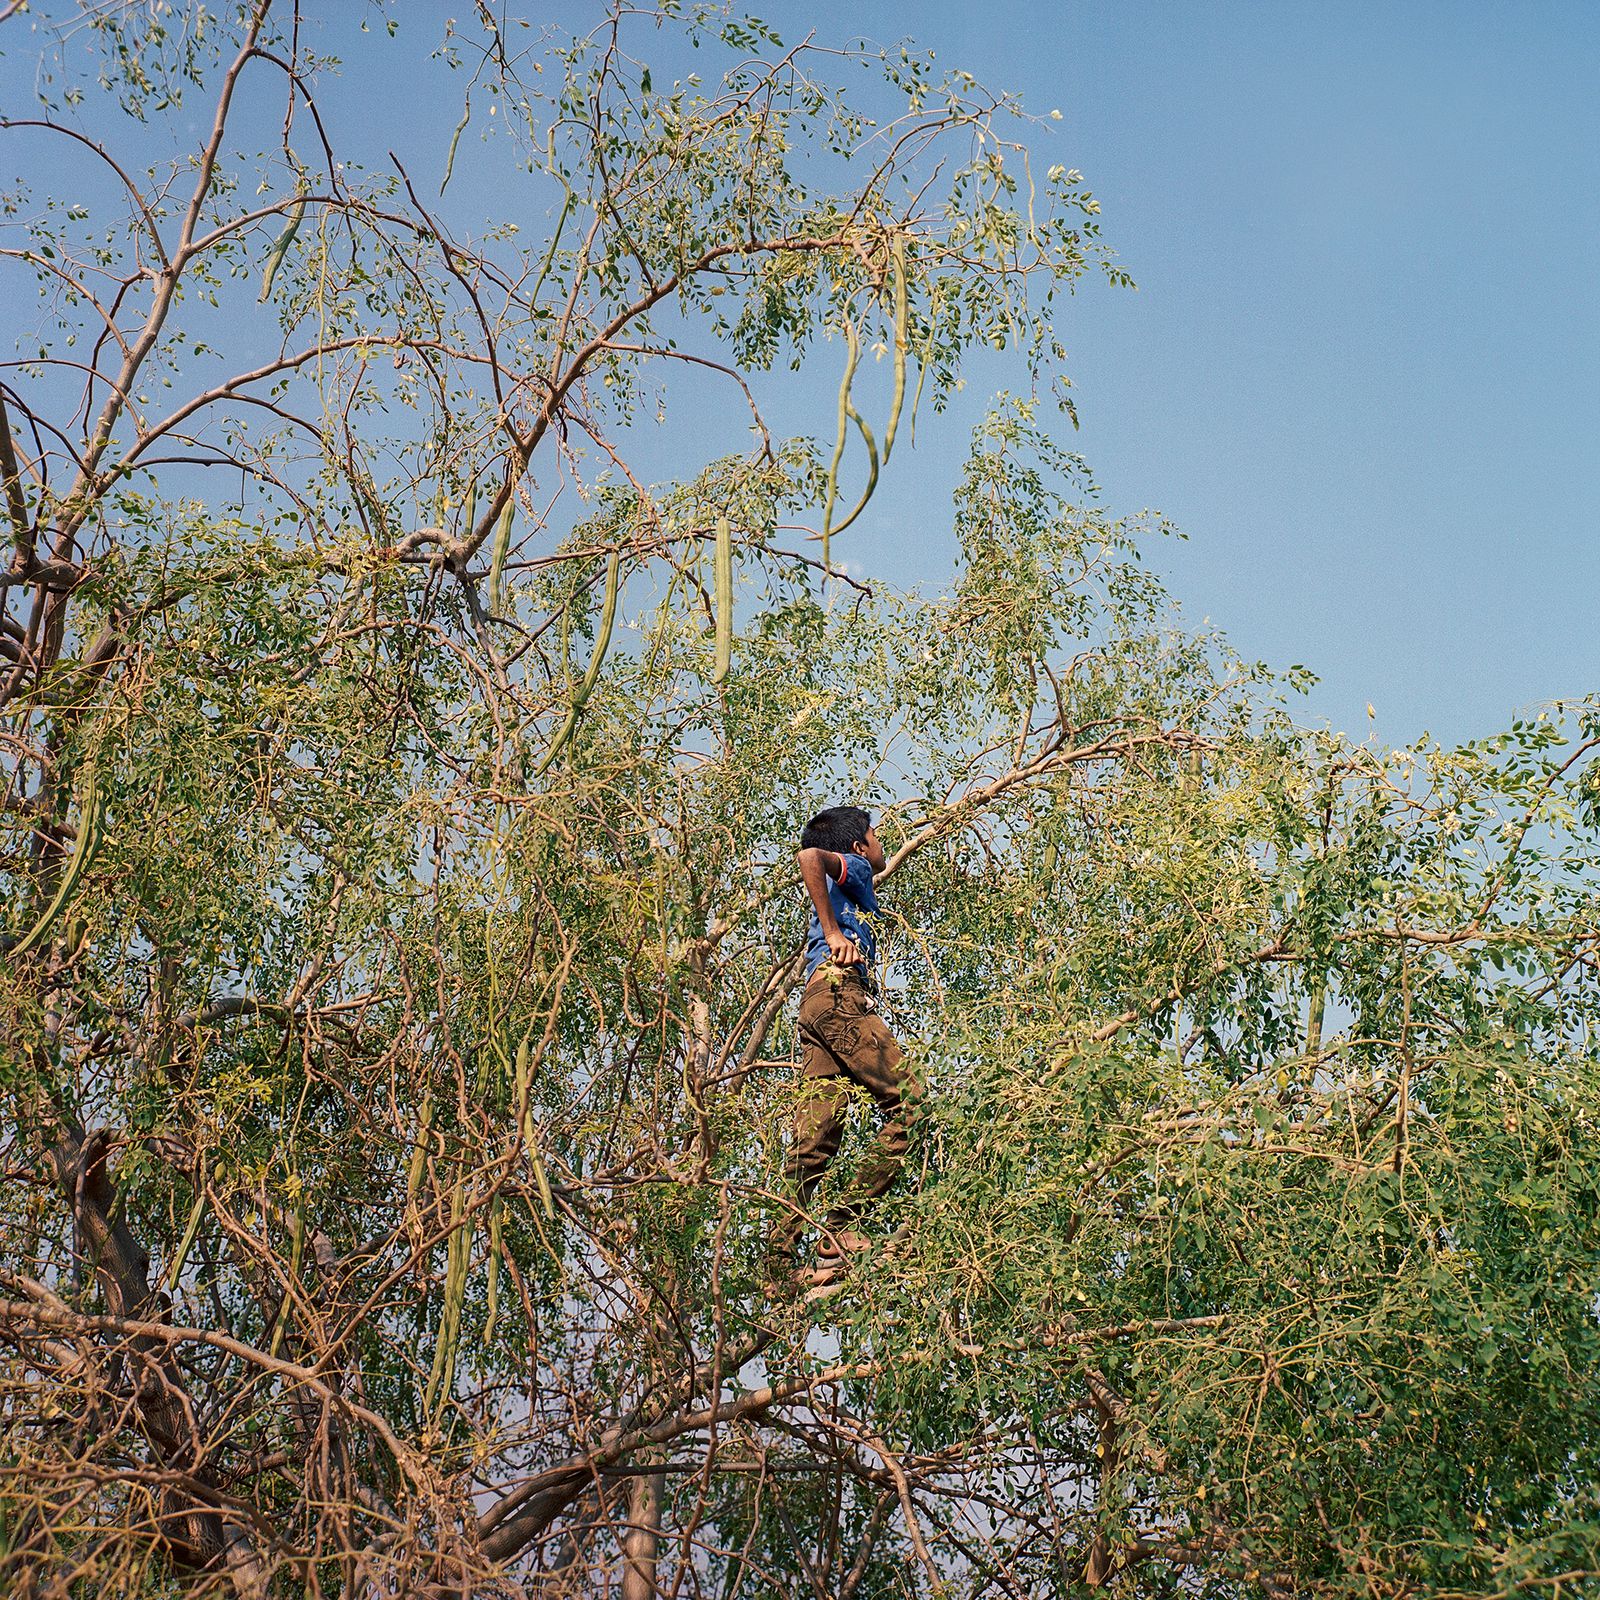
x=843, y=1038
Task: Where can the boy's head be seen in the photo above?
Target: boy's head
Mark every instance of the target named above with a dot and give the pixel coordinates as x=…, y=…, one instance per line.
x=846, y=830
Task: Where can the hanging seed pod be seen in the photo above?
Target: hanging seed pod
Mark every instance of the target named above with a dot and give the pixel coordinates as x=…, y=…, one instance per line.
x=724, y=600
x=524, y=1077
x=91, y=809
x=419, y=1152
x=460, y=1260
x=558, y=744
x=831, y=495
x=530, y=1134
x=602, y=642
x=608, y=616
x=555, y=240
x=872, y=469
x=460, y=1257
x=297, y=1239
x=542, y=1181
x=897, y=249
x=280, y=247
x=492, y=1291
x=455, y=139
x=1314, y=1014
x=458, y=1254
x=437, y=1367
x=922, y=368
x=502, y=548
x=181, y=1255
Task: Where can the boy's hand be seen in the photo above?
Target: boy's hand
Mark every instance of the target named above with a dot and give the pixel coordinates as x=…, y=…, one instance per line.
x=843, y=948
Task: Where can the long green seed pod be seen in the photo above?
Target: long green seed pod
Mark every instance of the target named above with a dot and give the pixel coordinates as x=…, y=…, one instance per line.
x=457, y=1294
x=898, y=258
x=502, y=548
x=492, y=1291
x=922, y=369
x=419, y=1153
x=602, y=642
x=916, y=400
x=297, y=1239
x=529, y=1132
x=872, y=469
x=542, y=1179
x=440, y=1340
x=852, y=356
x=458, y=1255
x=181, y=1255
x=724, y=598
x=557, y=744
x=580, y=696
x=524, y=1118
x=550, y=254
x=455, y=139
x=280, y=247
x=1314, y=1012
x=91, y=810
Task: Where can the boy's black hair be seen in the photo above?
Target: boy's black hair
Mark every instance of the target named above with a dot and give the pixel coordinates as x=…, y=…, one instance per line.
x=836, y=829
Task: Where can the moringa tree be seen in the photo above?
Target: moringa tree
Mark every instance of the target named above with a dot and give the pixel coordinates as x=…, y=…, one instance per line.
x=401, y=777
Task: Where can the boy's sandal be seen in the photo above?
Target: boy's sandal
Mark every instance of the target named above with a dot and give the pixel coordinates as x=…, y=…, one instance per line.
x=839, y=1246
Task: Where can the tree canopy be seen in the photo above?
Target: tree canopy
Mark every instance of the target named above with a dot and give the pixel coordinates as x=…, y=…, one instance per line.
x=400, y=922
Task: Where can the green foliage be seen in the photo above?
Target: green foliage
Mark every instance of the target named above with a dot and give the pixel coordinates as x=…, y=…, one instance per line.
x=397, y=1091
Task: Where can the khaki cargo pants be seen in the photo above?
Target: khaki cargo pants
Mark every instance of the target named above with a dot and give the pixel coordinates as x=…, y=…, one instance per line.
x=843, y=1040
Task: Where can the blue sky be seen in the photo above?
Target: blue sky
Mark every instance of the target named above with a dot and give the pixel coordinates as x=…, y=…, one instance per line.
x=1360, y=368
x=1359, y=371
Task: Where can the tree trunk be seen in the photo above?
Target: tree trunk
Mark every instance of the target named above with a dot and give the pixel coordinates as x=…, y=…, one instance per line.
x=643, y=1538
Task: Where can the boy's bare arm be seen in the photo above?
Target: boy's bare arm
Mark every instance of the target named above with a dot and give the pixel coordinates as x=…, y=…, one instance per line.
x=816, y=867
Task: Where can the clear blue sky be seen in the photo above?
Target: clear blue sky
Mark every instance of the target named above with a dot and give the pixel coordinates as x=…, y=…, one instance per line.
x=1360, y=369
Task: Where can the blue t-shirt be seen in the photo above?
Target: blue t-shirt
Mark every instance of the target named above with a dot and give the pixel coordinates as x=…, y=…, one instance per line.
x=849, y=896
